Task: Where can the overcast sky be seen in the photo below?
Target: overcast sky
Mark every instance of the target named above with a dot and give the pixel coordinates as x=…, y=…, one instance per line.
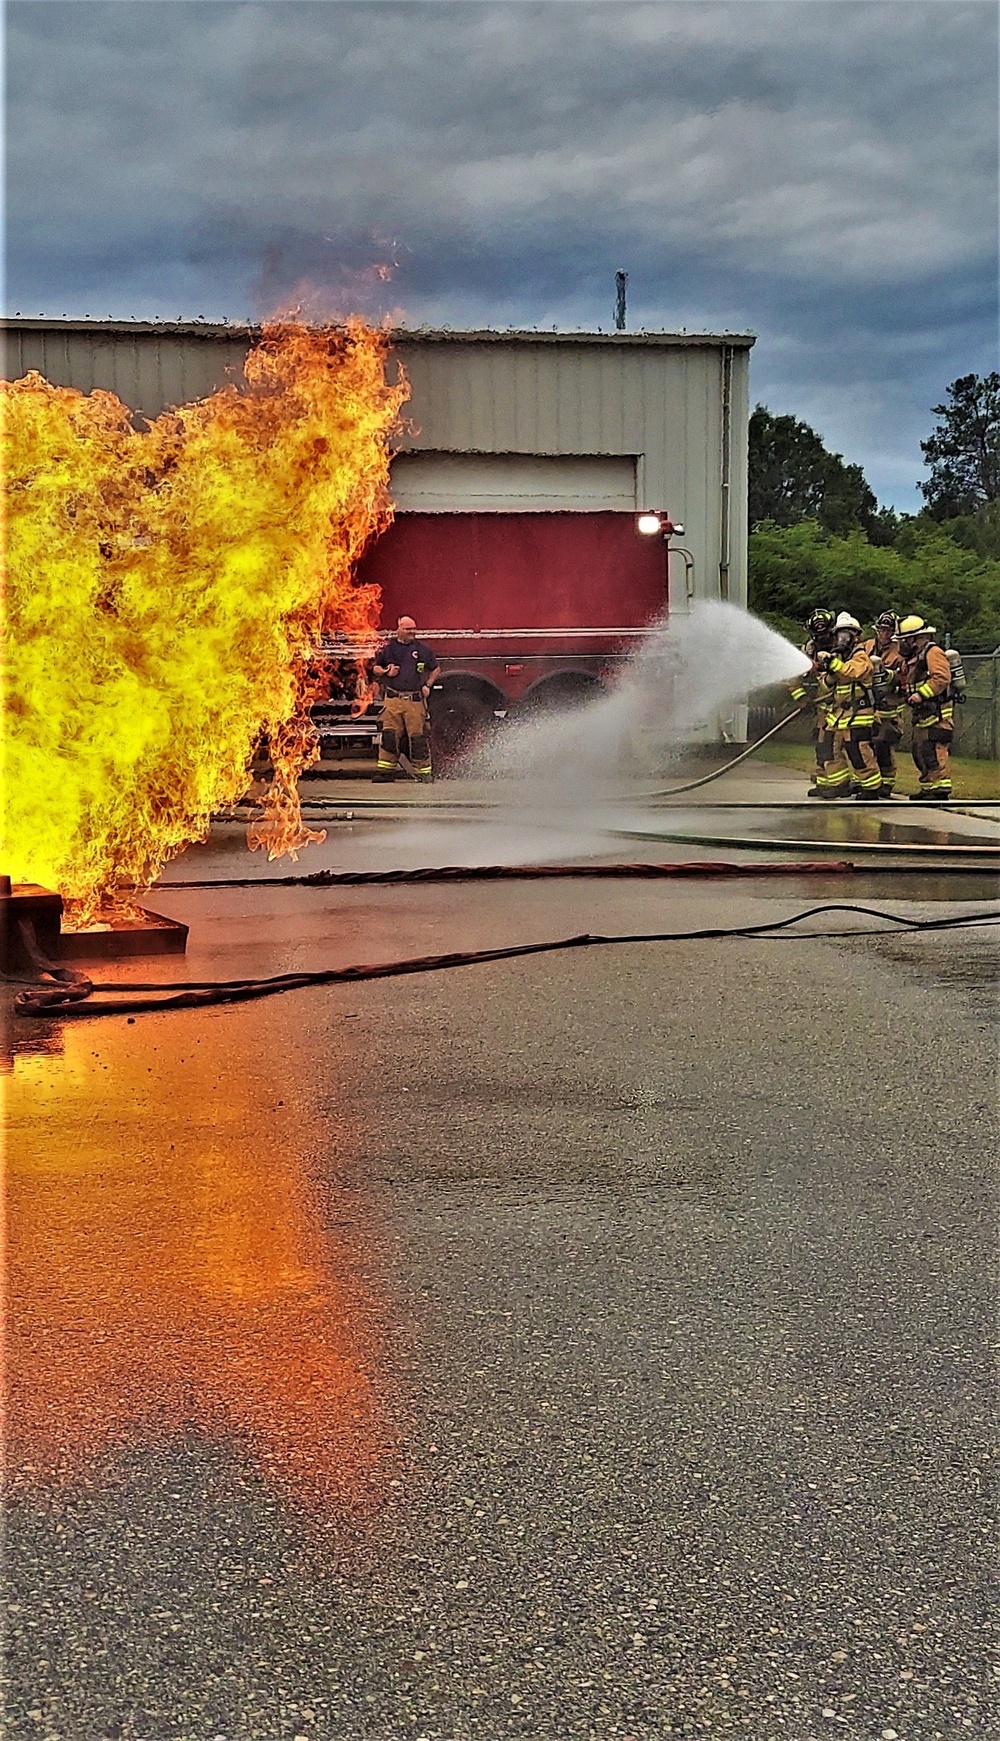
x=821, y=172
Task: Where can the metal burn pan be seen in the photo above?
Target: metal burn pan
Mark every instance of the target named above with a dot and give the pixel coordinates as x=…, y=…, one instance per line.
x=117, y=939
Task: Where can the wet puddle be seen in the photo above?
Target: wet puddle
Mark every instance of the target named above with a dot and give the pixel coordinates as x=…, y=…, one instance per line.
x=851, y=828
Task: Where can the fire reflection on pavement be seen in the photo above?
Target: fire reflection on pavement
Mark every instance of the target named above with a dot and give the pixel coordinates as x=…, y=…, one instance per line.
x=169, y=1272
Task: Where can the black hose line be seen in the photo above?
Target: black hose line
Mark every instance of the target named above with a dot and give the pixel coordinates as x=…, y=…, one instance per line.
x=72, y=985
x=51, y=1000
x=706, y=779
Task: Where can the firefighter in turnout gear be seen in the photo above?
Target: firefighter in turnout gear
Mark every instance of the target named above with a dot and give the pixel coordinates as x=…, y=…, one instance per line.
x=928, y=683
x=850, y=716
x=813, y=690
x=890, y=699
x=406, y=669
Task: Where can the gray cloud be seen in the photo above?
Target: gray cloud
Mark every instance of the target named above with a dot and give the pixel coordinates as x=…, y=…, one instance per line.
x=823, y=171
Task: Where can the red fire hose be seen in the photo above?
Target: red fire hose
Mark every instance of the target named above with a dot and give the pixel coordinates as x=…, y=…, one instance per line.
x=489, y=873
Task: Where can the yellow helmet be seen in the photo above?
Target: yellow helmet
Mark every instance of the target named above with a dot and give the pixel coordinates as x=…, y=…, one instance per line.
x=914, y=626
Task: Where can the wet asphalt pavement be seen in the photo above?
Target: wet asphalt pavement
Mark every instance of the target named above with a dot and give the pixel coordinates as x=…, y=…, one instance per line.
x=597, y=1345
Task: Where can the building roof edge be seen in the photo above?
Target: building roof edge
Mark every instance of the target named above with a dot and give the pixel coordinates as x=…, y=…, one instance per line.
x=400, y=335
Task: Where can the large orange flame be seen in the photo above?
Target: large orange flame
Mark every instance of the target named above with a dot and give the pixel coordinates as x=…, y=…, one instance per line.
x=164, y=588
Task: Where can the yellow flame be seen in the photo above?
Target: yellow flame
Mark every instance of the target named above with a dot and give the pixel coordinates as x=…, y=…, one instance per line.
x=164, y=587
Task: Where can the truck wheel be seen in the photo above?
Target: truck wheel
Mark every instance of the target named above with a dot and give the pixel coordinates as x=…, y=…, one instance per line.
x=459, y=723
x=560, y=693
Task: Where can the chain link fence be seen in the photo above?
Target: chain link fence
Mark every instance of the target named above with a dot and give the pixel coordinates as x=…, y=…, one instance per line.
x=977, y=720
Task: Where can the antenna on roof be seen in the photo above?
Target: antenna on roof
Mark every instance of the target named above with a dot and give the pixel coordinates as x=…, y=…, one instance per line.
x=621, y=284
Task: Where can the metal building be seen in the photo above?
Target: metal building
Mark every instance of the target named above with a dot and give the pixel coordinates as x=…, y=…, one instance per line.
x=504, y=422
x=517, y=490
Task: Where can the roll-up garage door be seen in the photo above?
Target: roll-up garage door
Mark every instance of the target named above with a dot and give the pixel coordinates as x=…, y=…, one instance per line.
x=513, y=483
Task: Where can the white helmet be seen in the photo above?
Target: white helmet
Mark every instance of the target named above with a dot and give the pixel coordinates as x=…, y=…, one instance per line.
x=846, y=621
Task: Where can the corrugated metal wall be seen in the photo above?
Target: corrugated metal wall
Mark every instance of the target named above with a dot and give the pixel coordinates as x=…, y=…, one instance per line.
x=660, y=401
x=148, y=368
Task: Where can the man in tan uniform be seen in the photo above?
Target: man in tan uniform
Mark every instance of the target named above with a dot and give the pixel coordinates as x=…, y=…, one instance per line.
x=927, y=681
x=890, y=701
x=812, y=691
x=407, y=670
x=850, y=716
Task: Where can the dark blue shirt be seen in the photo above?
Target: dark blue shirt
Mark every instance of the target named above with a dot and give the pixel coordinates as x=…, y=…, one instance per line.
x=415, y=661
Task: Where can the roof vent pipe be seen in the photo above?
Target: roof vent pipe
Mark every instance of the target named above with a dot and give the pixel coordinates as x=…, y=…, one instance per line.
x=621, y=283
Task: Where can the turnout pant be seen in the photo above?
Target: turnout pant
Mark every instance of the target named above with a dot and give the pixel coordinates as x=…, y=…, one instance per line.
x=852, y=760
x=931, y=749
x=404, y=727
x=888, y=733
x=823, y=741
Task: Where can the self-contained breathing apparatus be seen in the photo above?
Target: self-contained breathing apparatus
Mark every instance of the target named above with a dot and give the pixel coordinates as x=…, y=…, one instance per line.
x=913, y=630
x=959, y=687
x=884, y=685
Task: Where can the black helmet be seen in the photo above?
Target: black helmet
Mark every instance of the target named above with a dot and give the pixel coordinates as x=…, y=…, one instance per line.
x=820, y=622
x=819, y=625
x=888, y=621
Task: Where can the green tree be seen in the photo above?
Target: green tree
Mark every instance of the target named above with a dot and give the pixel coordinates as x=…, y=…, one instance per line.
x=794, y=477
x=963, y=452
x=979, y=531
x=957, y=588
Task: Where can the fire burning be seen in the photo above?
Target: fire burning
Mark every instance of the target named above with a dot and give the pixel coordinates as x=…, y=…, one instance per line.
x=164, y=588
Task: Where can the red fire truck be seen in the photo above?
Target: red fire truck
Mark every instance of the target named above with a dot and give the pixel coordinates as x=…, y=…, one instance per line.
x=524, y=610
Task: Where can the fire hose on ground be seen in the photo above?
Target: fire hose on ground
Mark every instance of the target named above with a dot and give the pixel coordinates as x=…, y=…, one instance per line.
x=751, y=750
x=490, y=873
x=75, y=1000
x=695, y=869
